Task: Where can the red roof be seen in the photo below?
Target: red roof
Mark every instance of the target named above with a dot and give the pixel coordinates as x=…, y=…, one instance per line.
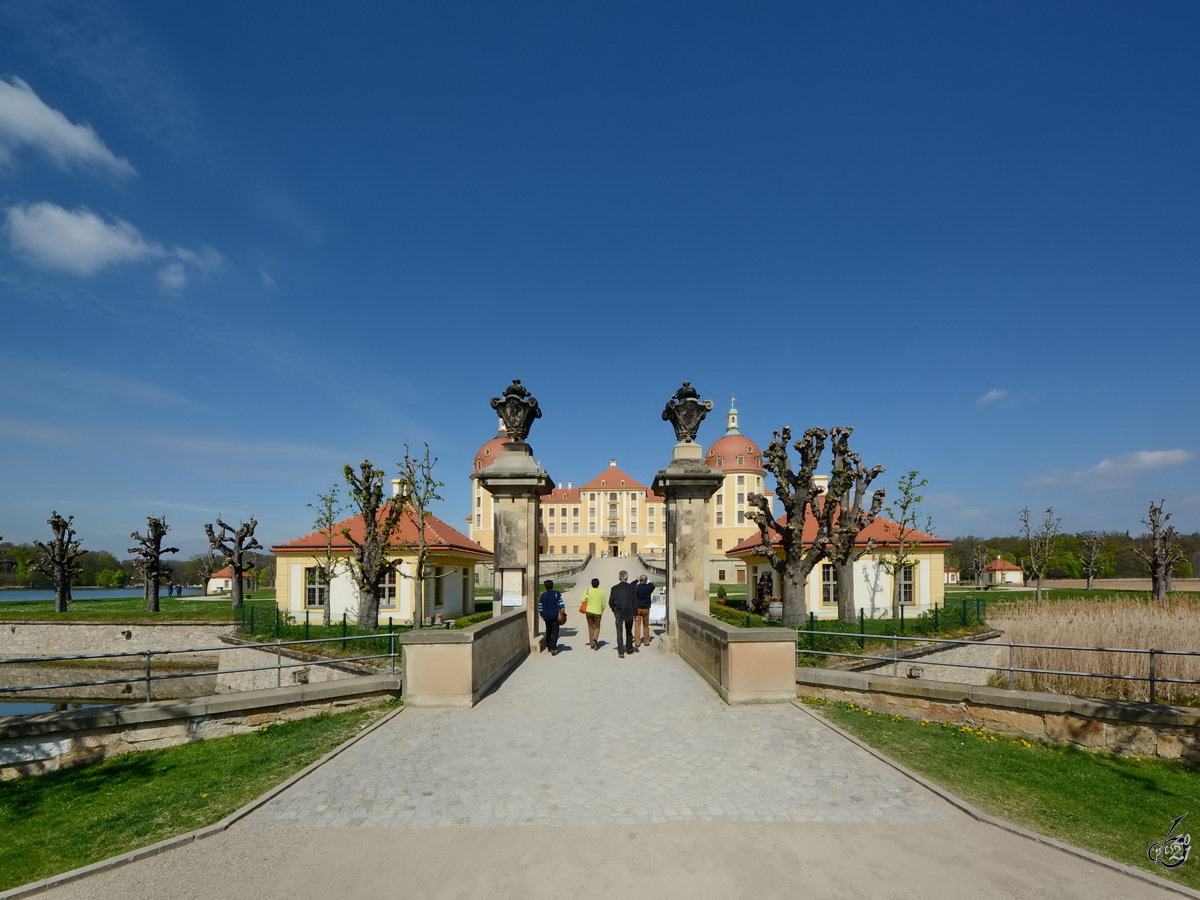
x=489, y=452
x=1002, y=565
x=226, y=572
x=613, y=479
x=729, y=448
x=438, y=535
x=878, y=530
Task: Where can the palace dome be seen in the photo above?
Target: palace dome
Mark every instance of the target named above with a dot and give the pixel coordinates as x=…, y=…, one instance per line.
x=735, y=451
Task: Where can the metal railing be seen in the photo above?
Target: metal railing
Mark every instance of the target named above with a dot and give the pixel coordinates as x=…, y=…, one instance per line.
x=1012, y=669
x=149, y=677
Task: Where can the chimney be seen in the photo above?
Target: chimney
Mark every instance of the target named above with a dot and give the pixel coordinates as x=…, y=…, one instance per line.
x=568, y=484
x=612, y=463
x=560, y=485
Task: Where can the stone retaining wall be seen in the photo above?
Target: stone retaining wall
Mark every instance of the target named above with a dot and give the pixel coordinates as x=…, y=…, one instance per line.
x=743, y=665
x=457, y=667
x=47, y=742
x=1124, y=727
x=34, y=638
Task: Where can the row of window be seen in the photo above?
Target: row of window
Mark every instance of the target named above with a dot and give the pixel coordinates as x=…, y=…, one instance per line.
x=829, y=584
x=316, y=588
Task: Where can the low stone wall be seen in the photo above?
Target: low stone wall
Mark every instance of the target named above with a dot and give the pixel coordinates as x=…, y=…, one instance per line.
x=929, y=662
x=743, y=665
x=34, y=638
x=47, y=742
x=15, y=675
x=457, y=667
x=1128, y=728
x=269, y=671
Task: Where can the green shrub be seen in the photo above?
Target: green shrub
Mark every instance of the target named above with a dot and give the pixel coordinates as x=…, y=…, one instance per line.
x=464, y=621
x=738, y=617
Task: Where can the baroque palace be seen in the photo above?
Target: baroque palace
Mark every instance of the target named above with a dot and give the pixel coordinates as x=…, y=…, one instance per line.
x=614, y=514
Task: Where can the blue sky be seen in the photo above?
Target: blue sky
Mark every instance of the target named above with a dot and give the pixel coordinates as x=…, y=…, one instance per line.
x=242, y=245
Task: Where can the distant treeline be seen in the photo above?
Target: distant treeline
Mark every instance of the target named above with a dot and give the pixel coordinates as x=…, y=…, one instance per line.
x=1117, y=558
x=102, y=569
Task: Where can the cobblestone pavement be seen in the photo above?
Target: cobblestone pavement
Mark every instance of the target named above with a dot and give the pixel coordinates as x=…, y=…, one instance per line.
x=586, y=738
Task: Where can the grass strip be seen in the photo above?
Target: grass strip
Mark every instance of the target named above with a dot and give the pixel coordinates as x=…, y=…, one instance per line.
x=133, y=609
x=59, y=821
x=1112, y=805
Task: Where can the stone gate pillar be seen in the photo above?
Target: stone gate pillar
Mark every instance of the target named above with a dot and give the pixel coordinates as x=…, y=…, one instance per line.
x=516, y=483
x=687, y=484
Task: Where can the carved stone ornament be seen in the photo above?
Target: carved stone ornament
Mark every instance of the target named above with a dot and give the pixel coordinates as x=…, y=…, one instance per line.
x=685, y=411
x=518, y=410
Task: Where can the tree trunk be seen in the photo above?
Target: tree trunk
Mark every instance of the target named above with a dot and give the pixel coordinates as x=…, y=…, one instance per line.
x=1091, y=580
x=235, y=586
x=1038, y=596
x=62, y=590
x=793, y=593
x=151, y=592
x=368, y=610
x=845, y=591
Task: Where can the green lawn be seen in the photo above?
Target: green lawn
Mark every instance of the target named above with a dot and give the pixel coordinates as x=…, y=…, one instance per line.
x=62, y=820
x=133, y=609
x=954, y=592
x=1111, y=805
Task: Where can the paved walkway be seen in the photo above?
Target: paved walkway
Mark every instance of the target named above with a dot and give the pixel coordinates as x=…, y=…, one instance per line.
x=585, y=775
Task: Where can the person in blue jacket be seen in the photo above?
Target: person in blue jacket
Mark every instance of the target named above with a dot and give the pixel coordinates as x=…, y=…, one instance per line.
x=550, y=605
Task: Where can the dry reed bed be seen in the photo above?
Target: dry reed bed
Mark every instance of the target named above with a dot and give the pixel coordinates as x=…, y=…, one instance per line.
x=1124, y=623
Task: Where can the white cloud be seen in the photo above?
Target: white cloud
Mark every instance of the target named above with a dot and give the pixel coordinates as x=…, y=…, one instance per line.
x=77, y=241
x=80, y=242
x=992, y=396
x=26, y=121
x=267, y=280
x=1118, y=472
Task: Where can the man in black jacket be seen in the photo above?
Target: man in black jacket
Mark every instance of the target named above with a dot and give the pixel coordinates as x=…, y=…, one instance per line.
x=623, y=602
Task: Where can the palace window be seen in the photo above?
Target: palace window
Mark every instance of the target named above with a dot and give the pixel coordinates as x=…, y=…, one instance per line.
x=574, y=528
x=741, y=496
x=720, y=544
x=439, y=586
x=478, y=521
x=316, y=589
x=575, y=549
x=828, y=583
x=552, y=528
x=741, y=517
x=906, y=584
x=591, y=527
x=720, y=518
x=720, y=499
x=387, y=590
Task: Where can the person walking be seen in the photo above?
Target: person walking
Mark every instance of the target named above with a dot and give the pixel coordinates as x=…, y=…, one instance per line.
x=644, y=590
x=623, y=602
x=594, y=598
x=550, y=605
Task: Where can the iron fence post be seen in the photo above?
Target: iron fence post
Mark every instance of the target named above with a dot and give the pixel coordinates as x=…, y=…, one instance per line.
x=1152, y=652
x=278, y=664
x=902, y=618
x=251, y=619
x=895, y=657
x=1012, y=655
x=148, y=654
x=935, y=619
x=343, y=628
x=861, y=629
x=964, y=611
x=812, y=635
x=277, y=623
x=392, y=646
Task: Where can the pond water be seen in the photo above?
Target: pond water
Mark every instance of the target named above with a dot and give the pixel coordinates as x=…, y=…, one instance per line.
x=85, y=593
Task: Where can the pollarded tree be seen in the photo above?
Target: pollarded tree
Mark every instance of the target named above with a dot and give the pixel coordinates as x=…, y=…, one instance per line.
x=904, y=516
x=59, y=558
x=798, y=492
x=842, y=518
x=1092, y=556
x=235, y=545
x=369, y=560
x=1163, y=553
x=1039, y=540
x=149, y=557
x=419, y=489
x=328, y=509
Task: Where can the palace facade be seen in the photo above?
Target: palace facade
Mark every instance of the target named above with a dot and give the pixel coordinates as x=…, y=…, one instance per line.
x=614, y=514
